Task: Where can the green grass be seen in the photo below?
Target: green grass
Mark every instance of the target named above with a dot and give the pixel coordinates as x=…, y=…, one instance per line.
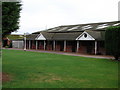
x=43, y=70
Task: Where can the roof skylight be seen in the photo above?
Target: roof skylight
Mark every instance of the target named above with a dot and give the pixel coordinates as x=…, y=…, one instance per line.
x=76, y=27
x=116, y=24
x=53, y=29
x=63, y=28
x=86, y=27
x=102, y=26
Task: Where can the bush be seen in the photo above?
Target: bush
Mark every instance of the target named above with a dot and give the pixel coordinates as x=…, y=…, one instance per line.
x=10, y=46
x=112, y=41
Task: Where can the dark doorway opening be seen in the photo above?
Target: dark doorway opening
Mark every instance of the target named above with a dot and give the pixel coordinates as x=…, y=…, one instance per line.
x=74, y=45
x=49, y=45
x=59, y=45
x=71, y=46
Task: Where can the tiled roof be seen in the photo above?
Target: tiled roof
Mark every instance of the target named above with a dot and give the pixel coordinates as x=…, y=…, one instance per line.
x=81, y=27
x=32, y=36
x=97, y=35
x=66, y=36
x=71, y=32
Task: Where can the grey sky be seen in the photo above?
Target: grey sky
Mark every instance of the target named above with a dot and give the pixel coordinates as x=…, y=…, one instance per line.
x=38, y=15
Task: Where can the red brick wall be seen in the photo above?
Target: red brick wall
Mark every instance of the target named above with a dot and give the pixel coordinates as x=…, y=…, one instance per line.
x=49, y=47
x=57, y=48
x=82, y=49
x=33, y=45
x=86, y=47
x=27, y=44
x=68, y=48
x=71, y=46
x=102, y=50
x=41, y=47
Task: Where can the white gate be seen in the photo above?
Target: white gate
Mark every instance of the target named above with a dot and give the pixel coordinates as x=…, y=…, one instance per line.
x=18, y=44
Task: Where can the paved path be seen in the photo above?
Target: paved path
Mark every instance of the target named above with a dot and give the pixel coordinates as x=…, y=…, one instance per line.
x=67, y=53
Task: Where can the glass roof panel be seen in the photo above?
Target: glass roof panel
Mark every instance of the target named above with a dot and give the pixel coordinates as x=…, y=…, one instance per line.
x=116, y=24
x=86, y=27
x=76, y=27
x=102, y=26
x=63, y=28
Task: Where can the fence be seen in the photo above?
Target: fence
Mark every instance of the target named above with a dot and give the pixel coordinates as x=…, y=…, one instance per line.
x=18, y=44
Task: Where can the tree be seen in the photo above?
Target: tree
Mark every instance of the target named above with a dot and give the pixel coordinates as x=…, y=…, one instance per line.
x=10, y=17
x=112, y=41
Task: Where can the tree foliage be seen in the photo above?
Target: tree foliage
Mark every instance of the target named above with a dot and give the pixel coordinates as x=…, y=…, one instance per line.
x=112, y=41
x=10, y=17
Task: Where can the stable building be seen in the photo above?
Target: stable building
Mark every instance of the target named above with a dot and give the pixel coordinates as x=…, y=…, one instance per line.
x=81, y=38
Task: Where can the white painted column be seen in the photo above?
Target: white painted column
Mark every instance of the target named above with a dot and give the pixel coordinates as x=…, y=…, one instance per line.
x=77, y=46
x=24, y=42
x=44, y=44
x=65, y=45
x=95, y=47
x=54, y=45
x=29, y=44
x=36, y=44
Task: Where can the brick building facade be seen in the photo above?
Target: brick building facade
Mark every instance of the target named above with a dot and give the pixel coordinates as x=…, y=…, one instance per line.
x=82, y=38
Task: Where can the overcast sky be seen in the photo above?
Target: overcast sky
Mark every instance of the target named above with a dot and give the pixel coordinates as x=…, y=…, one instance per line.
x=38, y=15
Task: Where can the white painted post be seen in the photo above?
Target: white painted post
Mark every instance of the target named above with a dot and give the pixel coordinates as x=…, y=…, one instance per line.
x=36, y=44
x=29, y=44
x=64, y=45
x=95, y=47
x=77, y=46
x=24, y=41
x=54, y=45
x=44, y=44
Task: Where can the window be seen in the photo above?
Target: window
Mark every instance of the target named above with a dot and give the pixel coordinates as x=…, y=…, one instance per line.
x=85, y=35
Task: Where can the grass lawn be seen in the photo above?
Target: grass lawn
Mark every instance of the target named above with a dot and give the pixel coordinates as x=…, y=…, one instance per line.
x=44, y=70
